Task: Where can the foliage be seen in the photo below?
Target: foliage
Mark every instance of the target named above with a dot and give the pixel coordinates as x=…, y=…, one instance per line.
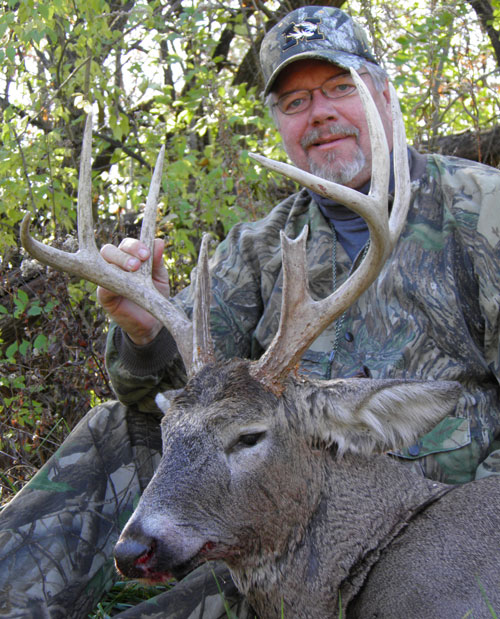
x=125, y=595
x=50, y=374
x=441, y=64
x=149, y=73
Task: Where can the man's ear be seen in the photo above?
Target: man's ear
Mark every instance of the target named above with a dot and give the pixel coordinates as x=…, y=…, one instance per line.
x=386, y=93
x=374, y=416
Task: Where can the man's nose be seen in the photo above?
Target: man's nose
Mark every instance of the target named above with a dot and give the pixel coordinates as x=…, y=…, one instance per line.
x=322, y=108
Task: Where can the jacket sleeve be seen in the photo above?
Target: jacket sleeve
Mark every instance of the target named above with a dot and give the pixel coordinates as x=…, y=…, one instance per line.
x=485, y=255
x=471, y=192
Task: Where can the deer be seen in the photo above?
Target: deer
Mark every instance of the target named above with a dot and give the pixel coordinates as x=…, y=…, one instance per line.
x=288, y=479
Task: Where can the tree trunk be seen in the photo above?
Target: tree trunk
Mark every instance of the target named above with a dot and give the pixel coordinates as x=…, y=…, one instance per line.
x=483, y=147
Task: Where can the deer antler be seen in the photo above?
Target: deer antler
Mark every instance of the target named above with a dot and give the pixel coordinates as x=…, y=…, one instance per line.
x=138, y=287
x=302, y=318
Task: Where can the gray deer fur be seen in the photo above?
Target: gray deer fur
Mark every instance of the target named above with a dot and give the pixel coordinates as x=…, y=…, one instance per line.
x=288, y=491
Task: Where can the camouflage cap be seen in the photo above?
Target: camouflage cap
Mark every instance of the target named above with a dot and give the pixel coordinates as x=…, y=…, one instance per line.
x=322, y=32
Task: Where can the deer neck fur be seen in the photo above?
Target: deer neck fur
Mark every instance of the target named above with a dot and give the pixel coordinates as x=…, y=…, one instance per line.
x=368, y=501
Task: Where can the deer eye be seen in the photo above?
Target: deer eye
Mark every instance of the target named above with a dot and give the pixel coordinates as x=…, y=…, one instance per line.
x=249, y=440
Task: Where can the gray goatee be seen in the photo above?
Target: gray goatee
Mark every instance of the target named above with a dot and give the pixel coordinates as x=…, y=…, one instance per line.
x=333, y=169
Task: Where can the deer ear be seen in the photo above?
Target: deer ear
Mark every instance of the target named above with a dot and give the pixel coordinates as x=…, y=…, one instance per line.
x=373, y=416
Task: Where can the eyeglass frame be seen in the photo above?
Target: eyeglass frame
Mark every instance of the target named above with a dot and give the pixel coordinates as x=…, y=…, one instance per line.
x=309, y=92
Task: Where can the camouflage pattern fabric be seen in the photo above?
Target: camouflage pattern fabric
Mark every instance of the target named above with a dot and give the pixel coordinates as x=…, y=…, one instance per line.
x=433, y=312
x=490, y=465
x=58, y=533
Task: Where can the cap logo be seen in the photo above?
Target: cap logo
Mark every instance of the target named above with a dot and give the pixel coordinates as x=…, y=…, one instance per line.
x=306, y=30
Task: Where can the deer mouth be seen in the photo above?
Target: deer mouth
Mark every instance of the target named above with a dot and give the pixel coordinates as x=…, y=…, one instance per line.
x=154, y=574
x=210, y=551
x=151, y=571
x=155, y=561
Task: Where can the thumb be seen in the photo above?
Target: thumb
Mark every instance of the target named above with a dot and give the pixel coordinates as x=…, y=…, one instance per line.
x=160, y=272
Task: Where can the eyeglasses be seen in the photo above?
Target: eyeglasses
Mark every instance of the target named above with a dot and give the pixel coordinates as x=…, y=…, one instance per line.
x=334, y=87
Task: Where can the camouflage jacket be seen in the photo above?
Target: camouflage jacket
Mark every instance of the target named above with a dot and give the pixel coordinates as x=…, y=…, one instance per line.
x=432, y=313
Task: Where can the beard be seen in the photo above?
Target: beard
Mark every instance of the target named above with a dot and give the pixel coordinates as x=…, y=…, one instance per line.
x=332, y=168
x=341, y=172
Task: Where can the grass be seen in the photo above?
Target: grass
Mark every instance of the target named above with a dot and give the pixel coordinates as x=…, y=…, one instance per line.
x=485, y=598
x=125, y=595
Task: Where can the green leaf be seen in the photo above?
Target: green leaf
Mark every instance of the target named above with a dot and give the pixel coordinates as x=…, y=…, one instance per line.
x=34, y=310
x=41, y=343
x=10, y=52
x=11, y=350
x=24, y=347
x=23, y=297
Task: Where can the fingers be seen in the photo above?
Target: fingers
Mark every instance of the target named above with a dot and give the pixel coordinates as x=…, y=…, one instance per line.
x=158, y=249
x=140, y=326
x=129, y=255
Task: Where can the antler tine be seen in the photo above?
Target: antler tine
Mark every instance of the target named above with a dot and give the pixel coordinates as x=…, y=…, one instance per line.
x=148, y=227
x=85, y=224
x=303, y=319
x=402, y=189
x=88, y=264
x=203, y=348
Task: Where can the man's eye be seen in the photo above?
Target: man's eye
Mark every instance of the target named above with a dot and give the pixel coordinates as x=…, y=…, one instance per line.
x=295, y=102
x=292, y=105
x=249, y=440
x=340, y=90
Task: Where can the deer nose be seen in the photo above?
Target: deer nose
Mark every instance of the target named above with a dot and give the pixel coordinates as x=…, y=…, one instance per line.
x=133, y=557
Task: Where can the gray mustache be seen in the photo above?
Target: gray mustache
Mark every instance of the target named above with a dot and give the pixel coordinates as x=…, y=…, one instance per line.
x=317, y=134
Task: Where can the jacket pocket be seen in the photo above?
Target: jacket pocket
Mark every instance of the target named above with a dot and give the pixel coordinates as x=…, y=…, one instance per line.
x=449, y=434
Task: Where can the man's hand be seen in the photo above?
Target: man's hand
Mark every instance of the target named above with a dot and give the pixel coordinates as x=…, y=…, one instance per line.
x=139, y=325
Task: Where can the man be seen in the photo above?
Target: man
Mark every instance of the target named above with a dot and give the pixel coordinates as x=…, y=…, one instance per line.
x=432, y=313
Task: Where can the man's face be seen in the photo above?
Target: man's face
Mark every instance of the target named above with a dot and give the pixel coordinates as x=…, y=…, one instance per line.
x=330, y=138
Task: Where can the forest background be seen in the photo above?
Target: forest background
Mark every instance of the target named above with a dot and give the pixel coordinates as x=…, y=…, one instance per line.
x=184, y=74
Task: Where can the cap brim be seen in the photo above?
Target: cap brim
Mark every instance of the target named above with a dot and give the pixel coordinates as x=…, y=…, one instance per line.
x=344, y=60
